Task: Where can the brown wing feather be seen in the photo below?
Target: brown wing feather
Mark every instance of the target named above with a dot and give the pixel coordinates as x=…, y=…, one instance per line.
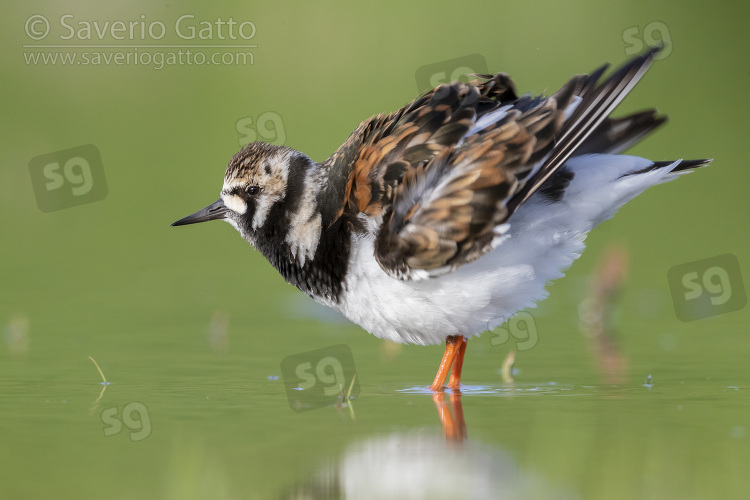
x=443, y=197
x=372, y=161
x=414, y=136
x=447, y=213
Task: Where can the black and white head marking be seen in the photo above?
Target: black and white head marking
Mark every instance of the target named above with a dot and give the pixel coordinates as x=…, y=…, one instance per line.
x=273, y=197
x=255, y=180
x=273, y=189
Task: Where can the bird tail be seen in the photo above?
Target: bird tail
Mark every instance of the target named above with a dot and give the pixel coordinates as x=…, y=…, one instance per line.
x=595, y=103
x=615, y=135
x=680, y=167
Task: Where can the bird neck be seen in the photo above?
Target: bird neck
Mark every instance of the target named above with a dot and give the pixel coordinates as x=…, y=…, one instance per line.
x=304, y=238
x=320, y=276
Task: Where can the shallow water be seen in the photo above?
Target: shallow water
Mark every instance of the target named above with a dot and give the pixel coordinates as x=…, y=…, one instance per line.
x=191, y=421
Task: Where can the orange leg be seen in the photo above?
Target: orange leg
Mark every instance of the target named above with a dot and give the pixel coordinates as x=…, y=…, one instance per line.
x=453, y=346
x=443, y=412
x=454, y=425
x=454, y=383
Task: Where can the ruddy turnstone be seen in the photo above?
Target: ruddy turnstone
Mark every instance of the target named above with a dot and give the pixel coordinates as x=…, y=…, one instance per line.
x=441, y=220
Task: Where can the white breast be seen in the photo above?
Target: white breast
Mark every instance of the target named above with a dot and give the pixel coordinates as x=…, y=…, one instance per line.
x=476, y=297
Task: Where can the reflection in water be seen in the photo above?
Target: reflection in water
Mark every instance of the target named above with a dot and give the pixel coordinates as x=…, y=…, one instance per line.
x=597, y=311
x=218, y=332
x=195, y=470
x=454, y=425
x=513, y=389
x=422, y=465
x=16, y=334
x=507, y=367
x=390, y=350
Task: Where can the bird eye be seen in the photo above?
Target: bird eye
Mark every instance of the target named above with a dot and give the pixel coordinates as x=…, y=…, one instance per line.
x=252, y=190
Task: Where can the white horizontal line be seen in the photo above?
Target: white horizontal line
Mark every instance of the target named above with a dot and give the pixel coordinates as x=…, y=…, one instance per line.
x=115, y=46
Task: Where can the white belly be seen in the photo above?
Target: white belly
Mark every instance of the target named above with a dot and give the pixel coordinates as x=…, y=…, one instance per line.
x=474, y=298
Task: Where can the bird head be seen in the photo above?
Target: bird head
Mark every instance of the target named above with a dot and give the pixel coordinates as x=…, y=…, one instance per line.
x=266, y=192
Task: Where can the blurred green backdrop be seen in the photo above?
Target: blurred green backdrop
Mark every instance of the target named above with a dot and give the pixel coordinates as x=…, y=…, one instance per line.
x=193, y=324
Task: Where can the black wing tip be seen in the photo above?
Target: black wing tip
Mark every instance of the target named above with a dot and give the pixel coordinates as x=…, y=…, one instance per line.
x=649, y=119
x=642, y=61
x=598, y=100
x=616, y=135
x=685, y=164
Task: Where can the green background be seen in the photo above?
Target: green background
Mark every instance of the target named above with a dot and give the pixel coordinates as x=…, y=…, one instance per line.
x=112, y=280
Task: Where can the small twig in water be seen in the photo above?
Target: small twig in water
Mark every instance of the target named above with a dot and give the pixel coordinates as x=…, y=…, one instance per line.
x=95, y=404
x=104, y=379
x=349, y=403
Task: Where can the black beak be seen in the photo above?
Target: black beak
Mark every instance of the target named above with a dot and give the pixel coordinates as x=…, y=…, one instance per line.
x=215, y=210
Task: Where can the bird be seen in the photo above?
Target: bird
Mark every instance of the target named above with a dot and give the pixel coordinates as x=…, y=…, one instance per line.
x=441, y=220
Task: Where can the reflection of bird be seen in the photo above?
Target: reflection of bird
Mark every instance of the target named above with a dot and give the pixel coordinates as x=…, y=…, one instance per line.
x=446, y=217
x=420, y=465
